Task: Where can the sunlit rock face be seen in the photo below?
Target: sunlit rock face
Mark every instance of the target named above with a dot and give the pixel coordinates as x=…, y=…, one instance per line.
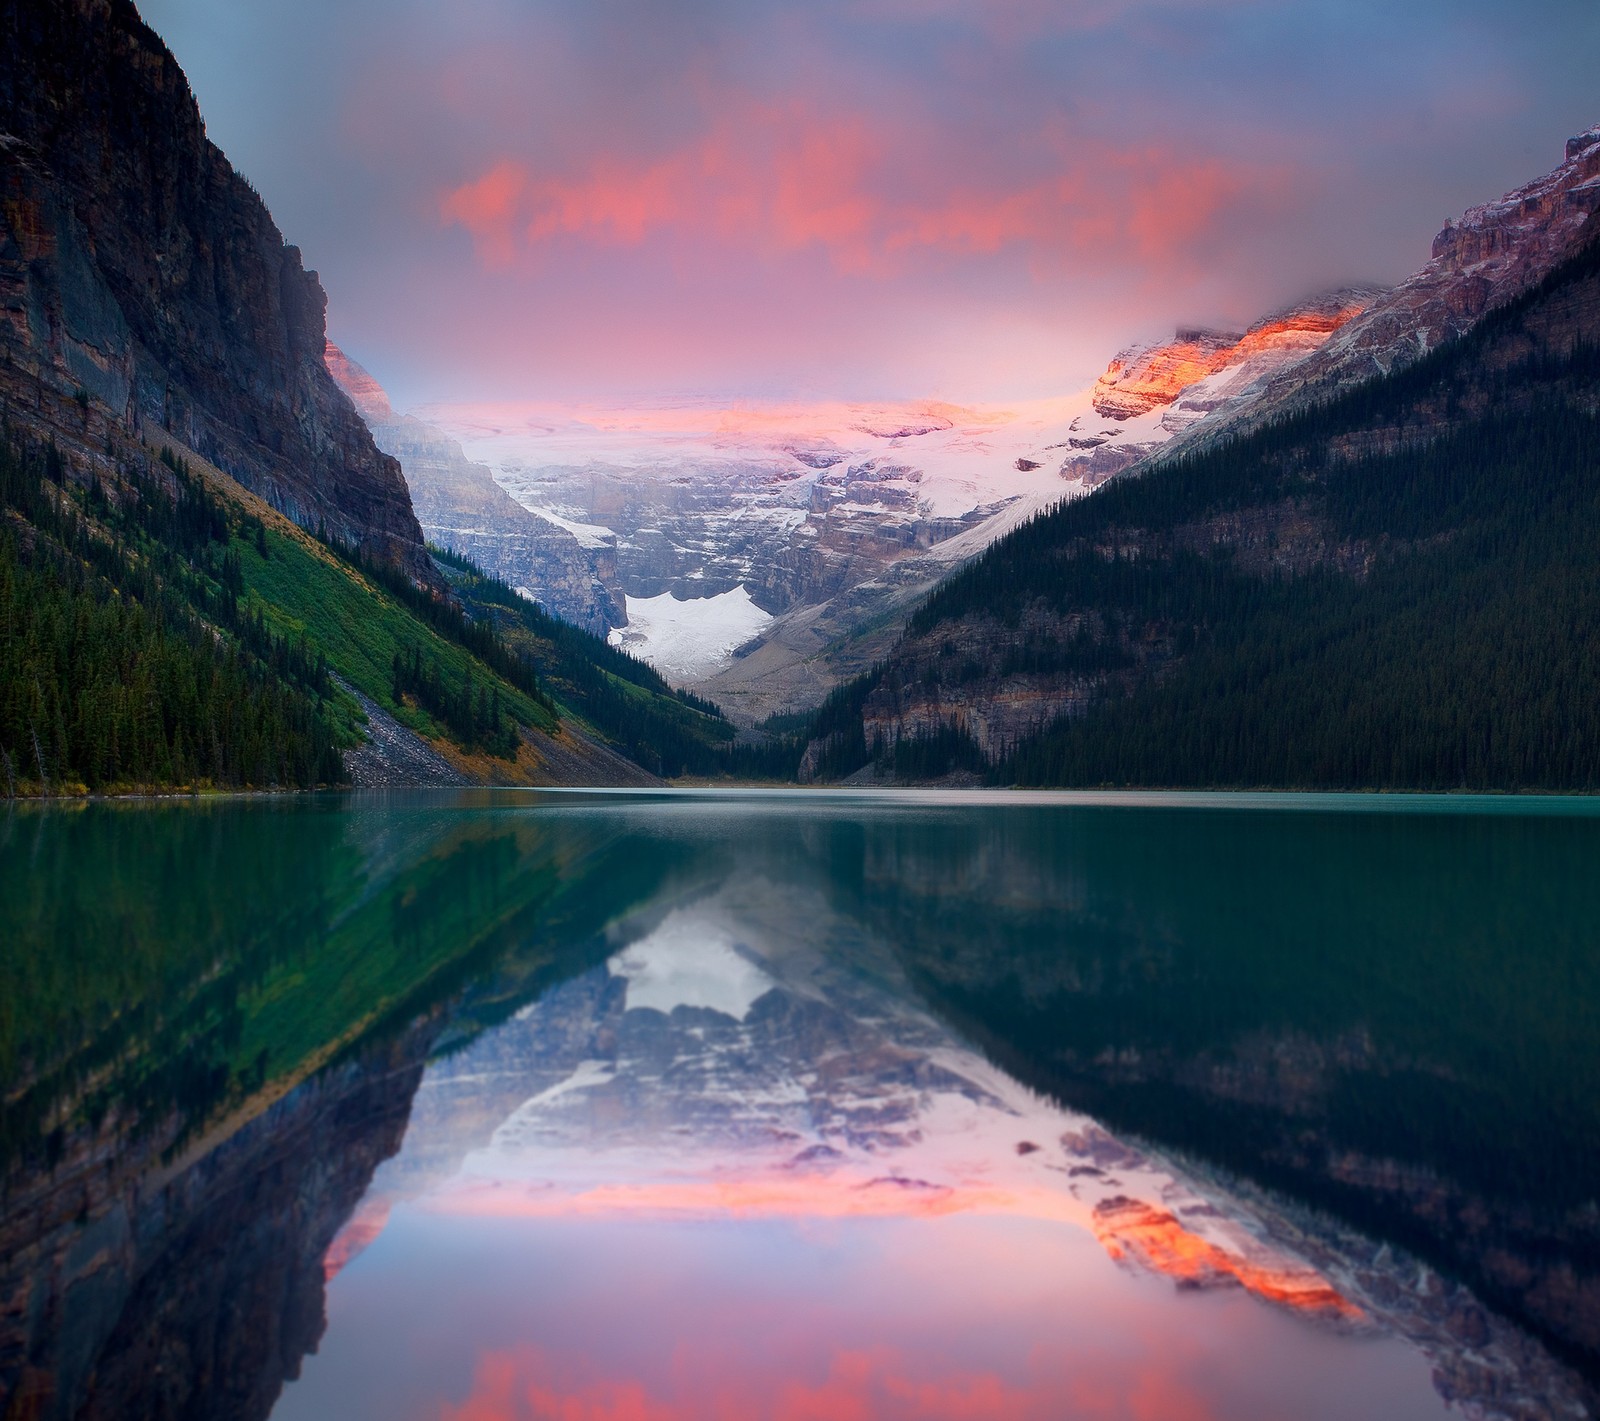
x=366, y=394
x=1487, y=257
x=1145, y=378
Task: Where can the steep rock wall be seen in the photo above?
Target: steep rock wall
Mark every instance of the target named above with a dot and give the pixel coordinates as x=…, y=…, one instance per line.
x=141, y=274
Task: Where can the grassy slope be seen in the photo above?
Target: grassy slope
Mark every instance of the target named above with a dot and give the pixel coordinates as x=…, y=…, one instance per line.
x=359, y=627
x=302, y=587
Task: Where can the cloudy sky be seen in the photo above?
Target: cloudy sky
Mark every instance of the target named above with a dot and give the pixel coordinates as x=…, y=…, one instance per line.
x=961, y=199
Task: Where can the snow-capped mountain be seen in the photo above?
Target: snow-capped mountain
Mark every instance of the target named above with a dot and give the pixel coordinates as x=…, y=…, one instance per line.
x=766, y=551
x=763, y=553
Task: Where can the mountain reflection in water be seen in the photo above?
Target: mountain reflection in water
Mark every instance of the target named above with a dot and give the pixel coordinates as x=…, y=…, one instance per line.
x=801, y=1106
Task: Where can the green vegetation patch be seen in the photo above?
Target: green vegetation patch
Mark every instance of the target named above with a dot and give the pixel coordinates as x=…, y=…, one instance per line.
x=362, y=629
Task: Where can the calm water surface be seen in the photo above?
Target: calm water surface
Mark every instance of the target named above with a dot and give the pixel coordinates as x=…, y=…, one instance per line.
x=600, y=1107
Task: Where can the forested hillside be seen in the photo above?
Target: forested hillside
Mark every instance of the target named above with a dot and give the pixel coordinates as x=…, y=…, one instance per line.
x=1399, y=588
x=160, y=627
x=127, y=653
x=669, y=732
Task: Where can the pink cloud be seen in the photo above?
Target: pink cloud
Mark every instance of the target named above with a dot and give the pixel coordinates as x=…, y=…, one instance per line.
x=488, y=209
x=786, y=178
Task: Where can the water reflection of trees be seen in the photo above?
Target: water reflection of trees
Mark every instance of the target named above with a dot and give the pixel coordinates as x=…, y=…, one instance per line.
x=215, y=1017
x=1393, y=1018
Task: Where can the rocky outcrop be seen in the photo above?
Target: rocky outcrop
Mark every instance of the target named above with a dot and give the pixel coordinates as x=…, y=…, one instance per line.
x=142, y=277
x=1146, y=378
x=1142, y=378
x=461, y=507
x=1489, y=256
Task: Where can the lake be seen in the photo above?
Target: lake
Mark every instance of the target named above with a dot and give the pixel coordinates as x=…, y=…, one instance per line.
x=658, y=1106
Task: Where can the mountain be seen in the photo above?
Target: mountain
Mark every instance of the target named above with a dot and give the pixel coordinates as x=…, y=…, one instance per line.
x=761, y=554
x=1181, y=374
x=461, y=507
x=144, y=285
x=1386, y=583
x=1490, y=256
x=209, y=573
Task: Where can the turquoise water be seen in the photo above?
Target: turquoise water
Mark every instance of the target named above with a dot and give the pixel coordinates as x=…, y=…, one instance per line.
x=793, y=1104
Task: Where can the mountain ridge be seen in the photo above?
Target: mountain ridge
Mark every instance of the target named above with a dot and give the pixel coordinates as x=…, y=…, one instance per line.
x=1176, y=627
x=1491, y=255
x=140, y=273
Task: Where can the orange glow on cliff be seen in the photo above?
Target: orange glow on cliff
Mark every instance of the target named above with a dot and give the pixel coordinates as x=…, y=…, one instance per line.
x=356, y=1236
x=1144, y=379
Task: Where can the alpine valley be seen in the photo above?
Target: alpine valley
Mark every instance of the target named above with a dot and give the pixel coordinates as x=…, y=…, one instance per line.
x=771, y=910
x=1347, y=546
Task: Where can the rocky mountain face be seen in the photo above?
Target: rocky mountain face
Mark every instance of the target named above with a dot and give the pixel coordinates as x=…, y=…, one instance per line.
x=1492, y=254
x=143, y=284
x=1171, y=376
x=1000, y=666
x=461, y=507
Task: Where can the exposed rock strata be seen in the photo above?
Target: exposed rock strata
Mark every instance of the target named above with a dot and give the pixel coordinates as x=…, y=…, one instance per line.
x=1146, y=378
x=143, y=280
x=461, y=507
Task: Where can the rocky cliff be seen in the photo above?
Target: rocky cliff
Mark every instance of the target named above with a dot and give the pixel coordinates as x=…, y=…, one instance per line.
x=461, y=507
x=1487, y=257
x=143, y=283
x=1144, y=378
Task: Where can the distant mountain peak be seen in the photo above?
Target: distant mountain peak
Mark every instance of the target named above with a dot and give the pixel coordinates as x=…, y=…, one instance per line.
x=1147, y=377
